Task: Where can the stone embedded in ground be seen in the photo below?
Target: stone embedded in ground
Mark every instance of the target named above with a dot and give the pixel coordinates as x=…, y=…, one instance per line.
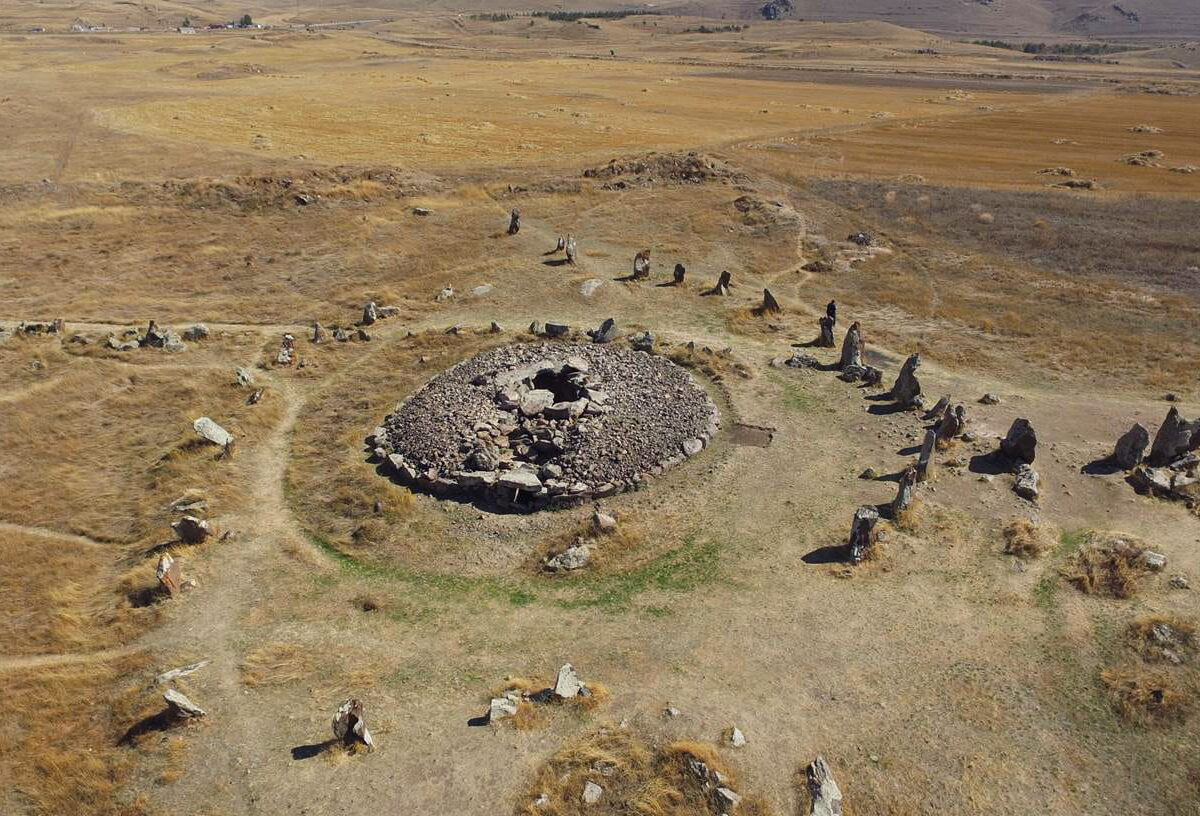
x=557, y=329
x=529, y=426
x=904, y=493
x=862, y=532
x=370, y=314
x=1154, y=561
x=514, y=221
x=1131, y=447
x=953, y=422
x=925, y=457
x=604, y=522
x=318, y=333
x=1026, y=484
x=501, y=707
x=591, y=793
x=212, y=432
x=572, y=558
x=446, y=294
x=182, y=671
x=989, y=399
x=641, y=265
x=643, y=341
x=567, y=684
x=571, y=250
x=196, y=332
x=169, y=574
x=496, y=328
x=606, y=333
x=1174, y=439
x=826, y=339
x=287, y=351
x=736, y=738
x=245, y=377
x=907, y=387
x=191, y=530
x=723, y=285
x=728, y=798
x=823, y=790
x=1020, y=443
x=679, y=274
x=852, y=348
x=350, y=726
x=938, y=409
x=769, y=304
x=180, y=707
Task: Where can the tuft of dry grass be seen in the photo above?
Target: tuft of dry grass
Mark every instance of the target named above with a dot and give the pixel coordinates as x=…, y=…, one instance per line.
x=909, y=519
x=1143, y=697
x=1108, y=565
x=277, y=664
x=1026, y=539
x=639, y=778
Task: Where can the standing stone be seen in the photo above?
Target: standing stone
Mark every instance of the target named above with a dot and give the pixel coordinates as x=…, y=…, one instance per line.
x=862, y=532
x=1020, y=443
x=925, y=457
x=907, y=387
x=724, y=284
x=953, y=422
x=169, y=574
x=318, y=333
x=641, y=265
x=191, y=530
x=1131, y=447
x=370, y=313
x=606, y=333
x=826, y=796
x=567, y=685
x=559, y=247
x=826, y=340
x=154, y=337
x=1175, y=437
x=1026, y=484
x=349, y=725
x=852, y=347
x=939, y=408
x=643, y=341
x=769, y=304
x=571, y=250
x=904, y=495
x=679, y=274
x=514, y=221
x=180, y=707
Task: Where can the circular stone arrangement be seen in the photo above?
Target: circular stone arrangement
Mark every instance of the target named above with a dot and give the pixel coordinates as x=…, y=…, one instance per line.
x=534, y=425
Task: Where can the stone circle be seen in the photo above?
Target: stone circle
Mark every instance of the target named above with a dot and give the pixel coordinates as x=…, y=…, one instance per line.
x=533, y=425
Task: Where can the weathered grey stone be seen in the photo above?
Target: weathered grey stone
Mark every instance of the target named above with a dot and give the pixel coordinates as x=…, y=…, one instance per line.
x=641, y=265
x=212, y=432
x=1154, y=561
x=643, y=341
x=370, y=314
x=862, y=532
x=769, y=304
x=1175, y=438
x=536, y=401
x=1020, y=443
x=567, y=684
x=925, y=457
x=169, y=574
x=245, y=377
x=907, y=387
x=557, y=329
x=180, y=707
x=1026, y=484
x=182, y=671
x=117, y=344
x=520, y=479
x=606, y=333
x=679, y=274
x=938, y=409
x=904, y=493
x=852, y=348
x=591, y=793
x=728, y=797
x=1131, y=447
x=826, y=339
x=691, y=447
x=953, y=422
x=501, y=707
x=736, y=738
x=318, y=333
x=514, y=221
x=824, y=791
x=572, y=558
x=350, y=726
x=989, y=399
x=196, y=333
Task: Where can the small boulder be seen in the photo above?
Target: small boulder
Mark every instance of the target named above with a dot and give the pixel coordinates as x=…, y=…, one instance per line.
x=1020, y=443
x=1131, y=447
x=1026, y=484
x=592, y=793
x=195, y=333
x=191, y=530
x=181, y=708
x=824, y=791
x=567, y=685
x=213, y=432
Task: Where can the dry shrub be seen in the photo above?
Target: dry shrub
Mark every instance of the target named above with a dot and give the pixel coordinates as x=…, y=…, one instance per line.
x=531, y=715
x=1025, y=539
x=712, y=364
x=609, y=548
x=639, y=778
x=1164, y=637
x=909, y=519
x=277, y=664
x=1109, y=565
x=1144, y=697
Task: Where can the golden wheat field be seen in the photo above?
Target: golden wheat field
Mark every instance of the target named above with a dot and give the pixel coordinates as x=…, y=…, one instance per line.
x=179, y=206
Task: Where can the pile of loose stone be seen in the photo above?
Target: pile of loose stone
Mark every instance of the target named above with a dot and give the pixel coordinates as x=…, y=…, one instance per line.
x=526, y=426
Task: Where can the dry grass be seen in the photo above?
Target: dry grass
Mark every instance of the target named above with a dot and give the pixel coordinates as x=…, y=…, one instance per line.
x=1027, y=539
x=277, y=664
x=1145, y=698
x=58, y=748
x=531, y=716
x=909, y=519
x=1108, y=565
x=639, y=778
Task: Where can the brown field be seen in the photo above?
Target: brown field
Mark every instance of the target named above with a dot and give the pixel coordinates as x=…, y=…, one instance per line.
x=259, y=181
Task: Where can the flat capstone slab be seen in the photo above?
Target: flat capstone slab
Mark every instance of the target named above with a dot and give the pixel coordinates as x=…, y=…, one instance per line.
x=535, y=425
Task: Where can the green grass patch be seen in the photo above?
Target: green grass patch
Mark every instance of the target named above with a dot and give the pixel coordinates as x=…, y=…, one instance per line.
x=795, y=397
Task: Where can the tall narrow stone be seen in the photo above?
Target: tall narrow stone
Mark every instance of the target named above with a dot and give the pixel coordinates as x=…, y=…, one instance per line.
x=852, y=347
x=907, y=387
x=862, y=532
x=1131, y=447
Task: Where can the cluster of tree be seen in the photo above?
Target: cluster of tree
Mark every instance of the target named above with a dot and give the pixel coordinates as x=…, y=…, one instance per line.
x=572, y=16
x=502, y=17
x=732, y=29
x=1069, y=49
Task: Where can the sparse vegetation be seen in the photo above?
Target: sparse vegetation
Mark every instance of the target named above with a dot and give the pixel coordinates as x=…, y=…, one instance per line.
x=1145, y=697
x=1108, y=565
x=1026, y=539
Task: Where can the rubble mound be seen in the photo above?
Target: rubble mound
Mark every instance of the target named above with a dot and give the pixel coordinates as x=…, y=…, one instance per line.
x=529, y=426
x=664, y=168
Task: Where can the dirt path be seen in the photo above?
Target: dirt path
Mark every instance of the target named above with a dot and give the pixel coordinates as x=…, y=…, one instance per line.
x=42, y=532
x=68, y=659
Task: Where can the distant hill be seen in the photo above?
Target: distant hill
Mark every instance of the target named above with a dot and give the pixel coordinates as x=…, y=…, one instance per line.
x=1153, y=18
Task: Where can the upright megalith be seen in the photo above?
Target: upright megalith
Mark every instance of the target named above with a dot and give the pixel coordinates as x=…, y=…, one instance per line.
x=826, y=339
x=925, y=457
x=370, y=314
x=1020, y=443
x=907, y=388
x=904, y=493
x=952, y=423
x=1175, y=438
x=514, y=221
x=862, y=533
x=641, y=265
x=1131, y=447
x=823, y=790
x=571, y=250
x=852, y=347
x=769, y=304
x=723, y=285
x=679, y=274
x=606, y=333
x=350, y=726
